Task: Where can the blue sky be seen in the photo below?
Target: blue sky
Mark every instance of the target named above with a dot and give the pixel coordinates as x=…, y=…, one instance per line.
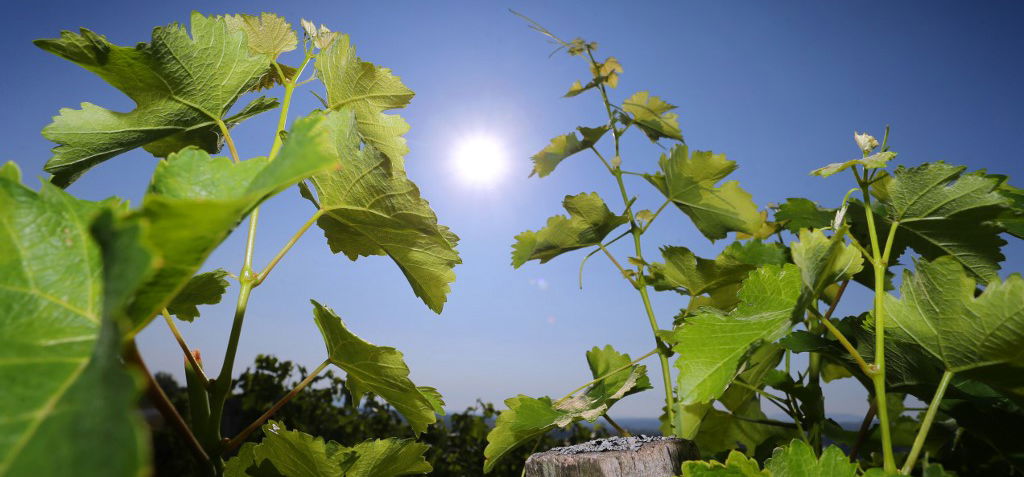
x=777, y=86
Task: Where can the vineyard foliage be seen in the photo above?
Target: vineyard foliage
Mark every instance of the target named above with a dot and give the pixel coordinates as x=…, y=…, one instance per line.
x=948, y=330
x=79, y=279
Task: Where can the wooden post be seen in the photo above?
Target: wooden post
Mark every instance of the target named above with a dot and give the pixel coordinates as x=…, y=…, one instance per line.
x=639, y=456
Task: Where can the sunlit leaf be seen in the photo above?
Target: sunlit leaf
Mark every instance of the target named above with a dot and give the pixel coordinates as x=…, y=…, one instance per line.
x=388, y=458
x=689, y=181
x=369, y=207
x=380, y=370
x=873, y=161
x=179, y=82
x=561, y=147
x=527, y=418
x=939, y=311
x=685, y=272
x=652, y=116
x=736, y=465
x=285, y=453
x=203, y=289
x=711, y=346
x=798, y=213
x=798, y=460
x=267, y=34
x=61, y=358
x=589, y=222
x=824, y=260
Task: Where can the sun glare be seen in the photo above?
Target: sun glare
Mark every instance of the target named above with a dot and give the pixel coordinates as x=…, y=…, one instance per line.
x=479, y=160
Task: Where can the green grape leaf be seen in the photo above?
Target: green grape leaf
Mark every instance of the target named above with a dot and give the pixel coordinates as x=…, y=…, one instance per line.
x=178, y=82
x=695, y=276
x=369, y=207
x=722, y=431
x=762, y=361
x=756, y=252
x=527, y=418
x=798, y=460
x=711, y=346
x=938, y=311
x=388, y=458
x=206, y=135
x=652, y=116
x=267, y=34
x=824, y=260
x=368, y=90
x=61, y=296
x=689, y=182
x=194, y=201
x=203, y=289
x=1012, y=220
x=561, y=147
x=873, y=161
x=799, y=213
x=375, y=369
x=736, y=465
x=285, y=453
x=941, y=212
x=11, y=172
x=589, y=222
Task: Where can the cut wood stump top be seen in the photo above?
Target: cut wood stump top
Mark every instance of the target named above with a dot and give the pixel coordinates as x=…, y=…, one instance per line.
x=639, y=456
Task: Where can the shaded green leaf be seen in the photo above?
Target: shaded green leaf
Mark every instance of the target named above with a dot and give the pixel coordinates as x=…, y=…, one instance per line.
x=527, y=417
x=194, y=201
x=799, y=213
x=178, y=81
x=203, y=289
x=938, y=311
x=589, y=222
x=689, y=181
x=561, y=147
x=380, y=370
x=722, y=431
x=756, y=252
x=652, y=116
x=368, y=90
x=798, y=460
x=873, y=161
x=711, y=346
x=369, y=207
x=61, y=299
x=824, y=260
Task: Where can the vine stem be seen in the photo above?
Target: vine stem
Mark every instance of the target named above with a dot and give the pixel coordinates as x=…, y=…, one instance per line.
x=862, y=434
x=295, y=238
x=606, y=375
x=881, y=262
x=622, y=432
x=185, y=349
x=163, y=404
x=826, y=320
x=926, y=424
x=244, y=434
x=641, y=282
x=227, y=138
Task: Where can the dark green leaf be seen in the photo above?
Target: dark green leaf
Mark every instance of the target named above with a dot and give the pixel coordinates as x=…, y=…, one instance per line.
x=203, y=289
x=798, y=213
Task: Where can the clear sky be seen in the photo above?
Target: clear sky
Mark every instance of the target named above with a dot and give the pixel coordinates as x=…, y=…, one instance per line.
x=779, y=87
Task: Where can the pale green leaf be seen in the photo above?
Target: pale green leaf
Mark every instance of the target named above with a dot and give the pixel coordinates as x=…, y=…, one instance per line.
x=267, y=34
x=941, y=212
x=194, y=201
x=368, y=90
x=527, y=418
x=689, y=182
x=388, y=458
x=824, y=260
x=711, y=346
x=799, y=213
x=939, y=311
x=285, y=453
x=203, y=289
x=61, y=358
x=736, y=465
x=178, y=81
x=652, y=116
x=873, y=161
x=798, y=460
x=561, y=147
x=695, y=275
x=369, y=207
x=589, y=222
x=10, y=171
x=380, y=370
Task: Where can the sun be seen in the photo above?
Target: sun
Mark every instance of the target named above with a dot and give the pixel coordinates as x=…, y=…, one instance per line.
x=479, y=160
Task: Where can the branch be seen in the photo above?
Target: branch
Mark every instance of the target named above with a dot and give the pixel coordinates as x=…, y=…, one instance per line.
x=185, y=349
x=291, y=242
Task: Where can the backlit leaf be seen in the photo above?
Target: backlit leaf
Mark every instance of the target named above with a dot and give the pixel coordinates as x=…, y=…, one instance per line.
x=798, y=213
x=736, y=465
x=388, y=458
x=561, y=147
x=824, y=260
x=203, y=289
x=711, y=346
x=285, y=453
x=685, y=272
x=689, y=181
x=938, y=310
x=267, y=34
x=798, y=460
x=369, y=207
x=527, y=418
x=589, y=222
x=652, y=116
x=61, y=358
x=374, y=369
x=179, y=81
x=873, y=161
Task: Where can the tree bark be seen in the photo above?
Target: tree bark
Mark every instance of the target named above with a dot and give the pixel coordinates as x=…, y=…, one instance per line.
x=660, y=458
